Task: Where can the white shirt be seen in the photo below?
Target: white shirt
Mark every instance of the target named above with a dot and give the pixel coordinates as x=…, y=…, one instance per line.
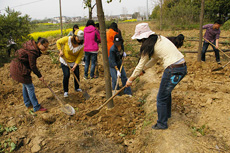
x=165, y=50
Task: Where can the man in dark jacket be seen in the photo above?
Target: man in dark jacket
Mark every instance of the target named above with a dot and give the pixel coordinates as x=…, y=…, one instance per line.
x=115, y=62
x=23, y=64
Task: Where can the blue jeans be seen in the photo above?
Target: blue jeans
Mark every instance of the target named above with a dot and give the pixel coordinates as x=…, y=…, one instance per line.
x=93, y=57
x=29, y=96
x=113, y=73
x=171, y=77
x=204, y=49
x=66, y=75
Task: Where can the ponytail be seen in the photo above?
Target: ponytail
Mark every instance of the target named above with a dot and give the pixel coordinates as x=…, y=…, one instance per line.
x=148, y=44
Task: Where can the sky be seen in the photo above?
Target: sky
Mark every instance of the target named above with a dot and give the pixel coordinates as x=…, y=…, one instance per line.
x=40, y=9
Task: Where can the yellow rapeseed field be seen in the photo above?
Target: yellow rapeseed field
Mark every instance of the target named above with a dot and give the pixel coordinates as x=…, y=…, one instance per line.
x=53, y=33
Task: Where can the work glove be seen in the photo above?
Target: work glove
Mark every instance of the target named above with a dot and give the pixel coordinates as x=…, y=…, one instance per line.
x=118, y=73
x=124, y=54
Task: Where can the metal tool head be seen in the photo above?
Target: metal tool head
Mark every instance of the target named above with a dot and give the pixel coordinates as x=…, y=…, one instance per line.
x=92, y=113
x=217, y=69
x=68, y=109
x=86, y=95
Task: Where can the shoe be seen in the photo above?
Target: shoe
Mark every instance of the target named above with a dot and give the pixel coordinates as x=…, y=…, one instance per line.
x=42, y=109
x=79, y=90
x=65, y=94
x=94, y=77
x=85, y=77
x=130, y=95
x=157, y=127
x=29, y=107
x=219, y=62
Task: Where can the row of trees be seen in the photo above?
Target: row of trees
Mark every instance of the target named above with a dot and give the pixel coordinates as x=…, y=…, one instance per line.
x=188, y=11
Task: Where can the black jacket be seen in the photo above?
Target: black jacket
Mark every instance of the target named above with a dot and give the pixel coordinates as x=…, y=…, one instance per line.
x=115, y=57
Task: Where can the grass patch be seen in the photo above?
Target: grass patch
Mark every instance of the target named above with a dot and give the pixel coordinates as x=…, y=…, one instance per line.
x=54, y=58
x=202, y=130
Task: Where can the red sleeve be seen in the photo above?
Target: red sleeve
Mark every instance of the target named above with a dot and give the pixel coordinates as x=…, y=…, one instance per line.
x=33, y=66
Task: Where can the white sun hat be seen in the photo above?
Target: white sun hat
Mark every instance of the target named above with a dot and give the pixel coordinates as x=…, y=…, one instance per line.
x=142, y=30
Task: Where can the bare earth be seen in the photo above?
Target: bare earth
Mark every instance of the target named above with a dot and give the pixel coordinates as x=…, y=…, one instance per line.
x=200, y=119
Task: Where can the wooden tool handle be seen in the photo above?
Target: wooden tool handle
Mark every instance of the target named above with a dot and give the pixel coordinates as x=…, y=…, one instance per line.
x=59, y=100
x=215, y=47
x=70, y=70
x=107, y=101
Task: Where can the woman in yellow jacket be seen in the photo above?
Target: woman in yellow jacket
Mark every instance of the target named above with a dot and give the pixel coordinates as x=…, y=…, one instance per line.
x=72, y=49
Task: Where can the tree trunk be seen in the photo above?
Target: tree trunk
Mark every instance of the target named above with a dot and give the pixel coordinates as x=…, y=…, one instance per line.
x=161, y=15
x=201, y=31
x=101, y=19
x=90, y=13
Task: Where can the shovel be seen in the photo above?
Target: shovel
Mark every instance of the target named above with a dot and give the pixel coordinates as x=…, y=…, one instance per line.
x=68, y=109
x=94, y=112
x=85, y=94
x=220, y=68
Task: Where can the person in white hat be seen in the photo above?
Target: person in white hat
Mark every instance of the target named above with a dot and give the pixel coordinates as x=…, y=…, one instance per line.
x=153, y=48
x=73, y=50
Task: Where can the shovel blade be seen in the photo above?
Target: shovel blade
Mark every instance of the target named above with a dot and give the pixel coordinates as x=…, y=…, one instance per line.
x=86, y=95
x=217, y=69
x=92, y=113
x=69, y=110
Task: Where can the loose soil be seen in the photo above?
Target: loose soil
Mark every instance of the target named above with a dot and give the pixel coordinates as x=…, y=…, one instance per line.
x=200, y=119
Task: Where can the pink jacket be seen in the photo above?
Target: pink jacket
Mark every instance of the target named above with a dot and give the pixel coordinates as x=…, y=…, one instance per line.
x=90, y=35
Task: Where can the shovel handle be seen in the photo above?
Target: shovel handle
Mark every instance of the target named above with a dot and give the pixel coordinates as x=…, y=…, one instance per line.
x=117, y=80
x=107, y=101
x=215, y=47
x=59, y=100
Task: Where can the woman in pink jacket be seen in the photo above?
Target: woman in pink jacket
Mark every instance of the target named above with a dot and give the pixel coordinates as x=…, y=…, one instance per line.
x=91, y=41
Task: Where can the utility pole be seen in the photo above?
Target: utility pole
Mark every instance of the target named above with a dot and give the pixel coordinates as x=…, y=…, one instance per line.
x=147, y=10
x=201, y=31
x=60, y=17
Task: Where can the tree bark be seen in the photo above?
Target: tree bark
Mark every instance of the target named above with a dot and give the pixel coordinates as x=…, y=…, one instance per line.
x=90, y=13
x=201, y=31
x=101, y=19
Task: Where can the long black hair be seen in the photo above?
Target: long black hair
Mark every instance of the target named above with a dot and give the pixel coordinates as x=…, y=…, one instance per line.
x=148, y=44
x=75, y=26
x=177, y=41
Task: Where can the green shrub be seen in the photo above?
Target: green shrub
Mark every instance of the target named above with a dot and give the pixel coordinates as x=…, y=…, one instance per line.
x=226, y=25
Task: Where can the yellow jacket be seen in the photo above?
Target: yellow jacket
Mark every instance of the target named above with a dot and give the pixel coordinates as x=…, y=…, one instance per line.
x=69, y=55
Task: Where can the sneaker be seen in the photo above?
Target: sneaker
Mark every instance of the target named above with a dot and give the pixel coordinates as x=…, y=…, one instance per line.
x=65, y=94
x=158, y=127
x=219, y=62
x=42, y=109
x=85, y=77
x=79, y=90
x=130, y=95
x=94, y=77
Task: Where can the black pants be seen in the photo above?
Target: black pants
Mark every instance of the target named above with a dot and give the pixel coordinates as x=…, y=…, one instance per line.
x=66, y=75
